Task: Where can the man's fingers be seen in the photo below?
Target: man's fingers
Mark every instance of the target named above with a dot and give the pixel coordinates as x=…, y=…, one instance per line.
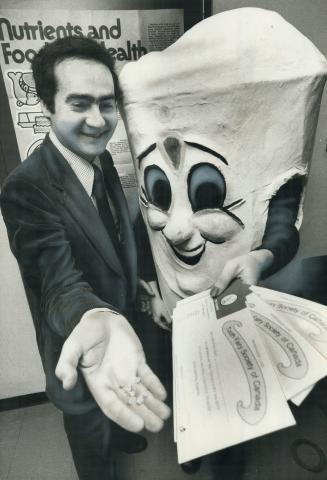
x=121, y=413
x=152, y=382
x=118, y=411
x=152, y=422
x=156, y=406
x=139, y=400
x=66, y=369
x=136, y=394
x=142, y=402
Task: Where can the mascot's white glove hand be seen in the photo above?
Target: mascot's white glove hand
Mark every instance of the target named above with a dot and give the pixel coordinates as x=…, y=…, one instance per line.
x=159, y=311
x=248, y=268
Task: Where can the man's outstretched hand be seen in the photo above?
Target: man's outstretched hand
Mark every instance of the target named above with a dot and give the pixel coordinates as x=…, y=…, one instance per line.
x=108, y=352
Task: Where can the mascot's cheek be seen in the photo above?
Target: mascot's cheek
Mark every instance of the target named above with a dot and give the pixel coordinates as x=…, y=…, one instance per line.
x=156, y=218
x=217, y=227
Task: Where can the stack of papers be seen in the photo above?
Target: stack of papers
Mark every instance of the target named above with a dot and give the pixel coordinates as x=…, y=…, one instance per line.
x=237, y=360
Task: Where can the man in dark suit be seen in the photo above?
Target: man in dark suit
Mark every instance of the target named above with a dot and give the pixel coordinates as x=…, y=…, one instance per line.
x=69, y=229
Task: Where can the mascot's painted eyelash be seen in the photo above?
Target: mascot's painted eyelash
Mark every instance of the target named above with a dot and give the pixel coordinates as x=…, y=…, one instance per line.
x=237, y=203
x=232, y=215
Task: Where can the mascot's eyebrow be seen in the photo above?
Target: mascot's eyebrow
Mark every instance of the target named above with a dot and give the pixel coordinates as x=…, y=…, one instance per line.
x=172, y=147
x=207, y=150
x=146, y=152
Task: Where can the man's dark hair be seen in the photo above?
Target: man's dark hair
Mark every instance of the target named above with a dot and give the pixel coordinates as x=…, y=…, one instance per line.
x=53, y=53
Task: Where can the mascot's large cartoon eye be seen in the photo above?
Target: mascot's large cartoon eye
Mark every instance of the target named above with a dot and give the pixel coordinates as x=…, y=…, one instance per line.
x=206, y=187
x=157, y=187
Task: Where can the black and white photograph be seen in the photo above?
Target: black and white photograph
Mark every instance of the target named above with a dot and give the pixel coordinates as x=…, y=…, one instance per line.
x=163, y=299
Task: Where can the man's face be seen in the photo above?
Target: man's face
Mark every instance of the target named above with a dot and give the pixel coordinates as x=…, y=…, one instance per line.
x=85, y=115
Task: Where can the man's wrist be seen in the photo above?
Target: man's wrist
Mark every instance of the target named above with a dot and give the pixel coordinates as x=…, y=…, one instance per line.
x=103, y=316
x=92, y=311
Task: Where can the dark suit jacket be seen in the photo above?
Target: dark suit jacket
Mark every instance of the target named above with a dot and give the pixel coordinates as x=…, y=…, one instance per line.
x=67, y=260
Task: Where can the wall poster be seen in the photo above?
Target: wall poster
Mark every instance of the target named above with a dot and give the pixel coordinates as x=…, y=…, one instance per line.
x=127, y=34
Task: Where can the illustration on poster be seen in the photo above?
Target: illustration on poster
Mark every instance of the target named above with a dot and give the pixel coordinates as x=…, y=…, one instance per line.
x=24, y=88
x=127, y=35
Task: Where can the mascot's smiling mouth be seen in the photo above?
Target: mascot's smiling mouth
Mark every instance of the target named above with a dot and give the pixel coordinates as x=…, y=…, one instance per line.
x=186, y=255
x=189, y=259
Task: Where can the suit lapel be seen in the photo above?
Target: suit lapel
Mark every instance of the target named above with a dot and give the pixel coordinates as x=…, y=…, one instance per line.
x=79, y=205
x=127, y=241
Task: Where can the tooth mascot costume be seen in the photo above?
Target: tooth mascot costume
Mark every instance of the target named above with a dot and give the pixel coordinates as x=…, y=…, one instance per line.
x=218, y=123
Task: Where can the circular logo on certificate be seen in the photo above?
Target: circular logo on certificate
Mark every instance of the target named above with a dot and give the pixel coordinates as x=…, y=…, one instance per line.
x=229, y=299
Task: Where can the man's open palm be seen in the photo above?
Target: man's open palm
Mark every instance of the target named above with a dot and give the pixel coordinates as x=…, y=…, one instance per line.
x=108, y=352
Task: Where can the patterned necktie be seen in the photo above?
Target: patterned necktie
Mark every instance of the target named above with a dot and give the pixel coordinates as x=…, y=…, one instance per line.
x=100, y=195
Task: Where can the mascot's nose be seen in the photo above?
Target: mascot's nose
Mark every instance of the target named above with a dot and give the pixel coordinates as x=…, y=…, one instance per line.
x=179, y=228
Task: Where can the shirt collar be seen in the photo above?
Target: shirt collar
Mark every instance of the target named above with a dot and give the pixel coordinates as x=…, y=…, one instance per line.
x=81, y=167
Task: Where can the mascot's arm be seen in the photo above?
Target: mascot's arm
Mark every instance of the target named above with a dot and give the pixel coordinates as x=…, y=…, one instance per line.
x=281, y=236
x=279, y=244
